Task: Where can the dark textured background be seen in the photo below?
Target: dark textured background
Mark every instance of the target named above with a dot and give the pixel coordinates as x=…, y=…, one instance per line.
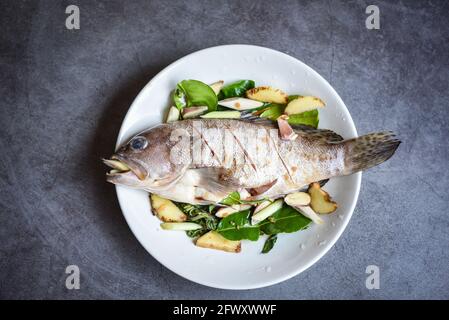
x=65, y=92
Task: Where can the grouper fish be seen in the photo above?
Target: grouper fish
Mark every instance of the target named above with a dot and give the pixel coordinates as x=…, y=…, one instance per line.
x=201, y=161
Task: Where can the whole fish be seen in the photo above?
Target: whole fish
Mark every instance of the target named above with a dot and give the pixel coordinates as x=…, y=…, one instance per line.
x=202, y=161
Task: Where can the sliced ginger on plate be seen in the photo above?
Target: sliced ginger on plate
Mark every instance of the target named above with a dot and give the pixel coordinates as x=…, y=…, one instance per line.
x=320, y=201
x=303, y=104
x=267, y=94
x=214, y=240
x=166, y=210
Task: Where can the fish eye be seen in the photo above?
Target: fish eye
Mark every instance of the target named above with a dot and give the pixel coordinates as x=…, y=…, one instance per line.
x=138, y=143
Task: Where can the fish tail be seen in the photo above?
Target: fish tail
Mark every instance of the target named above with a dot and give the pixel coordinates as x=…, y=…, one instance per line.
x=368, y=151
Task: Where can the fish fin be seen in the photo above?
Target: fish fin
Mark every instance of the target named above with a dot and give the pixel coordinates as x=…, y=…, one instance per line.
x=368, y=151
x=262, y=189
x=322, y=183
x=210, y=179
x=327, y=136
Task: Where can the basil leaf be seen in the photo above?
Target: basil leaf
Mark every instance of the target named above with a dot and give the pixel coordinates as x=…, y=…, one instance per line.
x=234, y=198
x=231, y=199
x=198, y=93
x=236, y=89
x=236, y=227
x=179, y=98
x=285, y=220
x=273, y=111
x=310, y=118
x=269, y=243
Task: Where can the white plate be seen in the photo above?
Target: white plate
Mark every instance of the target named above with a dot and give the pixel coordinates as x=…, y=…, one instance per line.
x=293, y=253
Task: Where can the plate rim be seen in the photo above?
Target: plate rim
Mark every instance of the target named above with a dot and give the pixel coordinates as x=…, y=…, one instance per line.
x=325, y=249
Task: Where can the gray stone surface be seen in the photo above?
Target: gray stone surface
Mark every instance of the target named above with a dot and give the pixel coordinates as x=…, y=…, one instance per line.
x=65, y=92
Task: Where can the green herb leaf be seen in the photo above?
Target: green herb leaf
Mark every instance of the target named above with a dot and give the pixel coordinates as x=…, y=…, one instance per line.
x=196, y=93
x=179, y=98
x=201, y=215
x=269, y=243
x=236, y=227
x=310, y=118
x=285, y=220
x=196, y=233
x=236, y=89
x=234, y=198
x=231, y=199
x=273, y=111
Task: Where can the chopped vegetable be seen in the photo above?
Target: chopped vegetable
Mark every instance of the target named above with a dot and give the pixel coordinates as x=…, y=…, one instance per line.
x=232, y=198
x=285, y=220
x=262, y=205
x=226, y=211
x=193, y=112
x=300, y=201
x=240, y=103
x=266, y=212
x=293, y=96
x=216, y=86
x=269, y=243
x=236, y=198
x=236, y=227
x=309, y=213
x=303, y=104
x=273, y=111
x=221, y=115
x=173, y=115
x=197, y=93
x=297, y=199
x=201, y=215
x=214, y=240
x=180, y=226
x=310, y=118
x=267, y=94
x=321, y=202
x=179, y=98
x=236, y=89
x=166, y=210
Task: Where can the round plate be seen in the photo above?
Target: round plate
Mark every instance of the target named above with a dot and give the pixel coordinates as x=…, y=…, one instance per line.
x=293, y=253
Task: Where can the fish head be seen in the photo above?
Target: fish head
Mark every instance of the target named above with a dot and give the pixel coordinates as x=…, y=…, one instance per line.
x=144, y=162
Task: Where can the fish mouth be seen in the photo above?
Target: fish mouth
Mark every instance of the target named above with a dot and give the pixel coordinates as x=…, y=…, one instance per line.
x=123, y=166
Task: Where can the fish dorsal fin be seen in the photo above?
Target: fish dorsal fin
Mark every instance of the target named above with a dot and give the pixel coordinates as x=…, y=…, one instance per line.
x=262, y=189
x=324, y=135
